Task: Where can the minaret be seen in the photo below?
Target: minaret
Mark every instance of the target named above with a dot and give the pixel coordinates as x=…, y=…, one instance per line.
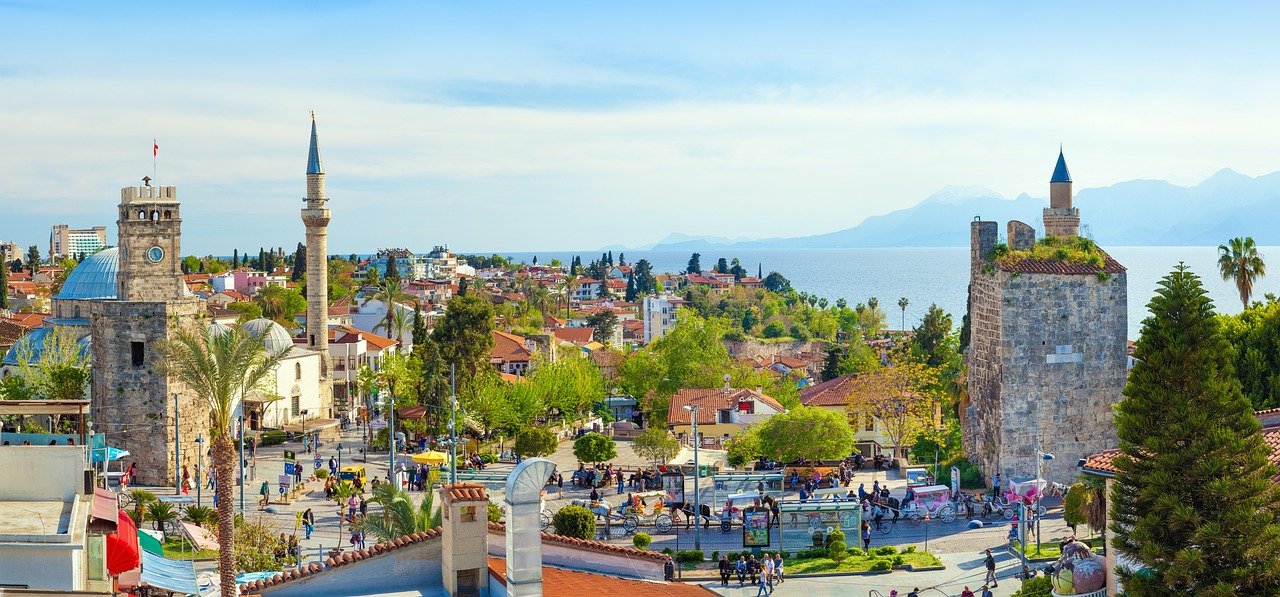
x=316, y=218
x=1060, y=219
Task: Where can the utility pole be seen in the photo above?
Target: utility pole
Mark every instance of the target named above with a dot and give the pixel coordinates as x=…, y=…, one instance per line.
x=177, y=450
x=453, y=426
x=240, y=465
x=391, y=429
x=697, y=477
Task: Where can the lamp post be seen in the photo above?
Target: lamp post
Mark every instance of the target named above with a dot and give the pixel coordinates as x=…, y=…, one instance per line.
x=177, y=450
x=453, y=426
x=1042, y=457
x=341, y=516
x=199, y=465
x=241, y=463
x=697, y=477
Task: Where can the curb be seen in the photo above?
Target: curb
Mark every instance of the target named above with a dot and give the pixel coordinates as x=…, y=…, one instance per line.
x=905, y=568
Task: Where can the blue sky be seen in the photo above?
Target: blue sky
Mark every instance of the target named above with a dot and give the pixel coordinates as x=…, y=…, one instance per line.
x=544, y=126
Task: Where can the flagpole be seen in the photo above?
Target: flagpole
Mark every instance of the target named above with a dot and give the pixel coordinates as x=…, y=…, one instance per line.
x=155, y=150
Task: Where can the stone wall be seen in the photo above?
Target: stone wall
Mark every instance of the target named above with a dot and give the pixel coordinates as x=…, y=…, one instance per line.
x=133, y=404
x=1021, y=235
x=982, y=419
x=751, y=347
x=1063, y=366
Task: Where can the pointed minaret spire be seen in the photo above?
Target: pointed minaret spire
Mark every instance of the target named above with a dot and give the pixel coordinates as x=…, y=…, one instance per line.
x=1060, y=173
x=313, y=156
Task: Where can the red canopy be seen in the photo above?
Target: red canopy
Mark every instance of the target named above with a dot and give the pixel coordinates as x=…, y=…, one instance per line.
x=122, y=546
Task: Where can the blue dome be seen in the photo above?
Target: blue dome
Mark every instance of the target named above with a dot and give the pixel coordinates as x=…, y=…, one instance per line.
x=95, y=278
x=35, y=342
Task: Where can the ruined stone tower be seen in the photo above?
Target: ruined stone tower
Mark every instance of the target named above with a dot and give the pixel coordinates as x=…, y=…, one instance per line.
x=133, y=402
x=1046, y=356
x=316, y=218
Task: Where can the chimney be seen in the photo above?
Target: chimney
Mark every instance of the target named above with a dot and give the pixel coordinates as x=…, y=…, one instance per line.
x=726, y=388
x=464, y=556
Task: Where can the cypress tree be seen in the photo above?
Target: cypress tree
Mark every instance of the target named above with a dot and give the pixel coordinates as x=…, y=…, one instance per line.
x=1193, y=503
x=393, y=269
x=4, y=289
x=299, y=262
x=235, y=258
x=631, y=287
x=420, y=336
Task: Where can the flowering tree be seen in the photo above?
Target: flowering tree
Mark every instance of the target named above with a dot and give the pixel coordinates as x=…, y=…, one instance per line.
x=903, y=399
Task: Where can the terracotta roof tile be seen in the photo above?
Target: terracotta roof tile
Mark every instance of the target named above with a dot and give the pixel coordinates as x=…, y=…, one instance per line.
x=349, y=557
x=589, y=545
x=467, y=492
x=1055, y=266
x=1103, y=463
x=709, y=401
x=509, y=347
x=574, y=335
x=557, y=582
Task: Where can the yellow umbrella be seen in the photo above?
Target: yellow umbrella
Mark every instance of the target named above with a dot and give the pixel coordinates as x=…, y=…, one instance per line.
x=431, y=457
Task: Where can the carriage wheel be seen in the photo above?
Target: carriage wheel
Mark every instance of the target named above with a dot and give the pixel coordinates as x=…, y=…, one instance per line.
x=915, y=519
x=848, y=520
x=948, y=514
x=1007, y=513
x=662, y=523
x=1041, y=511
x=885, y=527
x=546, y=521
x=630, y=524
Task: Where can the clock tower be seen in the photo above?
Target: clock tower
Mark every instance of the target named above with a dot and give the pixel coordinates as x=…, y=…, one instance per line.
x=150, y=226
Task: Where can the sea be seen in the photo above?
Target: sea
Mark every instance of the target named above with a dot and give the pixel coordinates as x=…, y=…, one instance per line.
x=934, y=275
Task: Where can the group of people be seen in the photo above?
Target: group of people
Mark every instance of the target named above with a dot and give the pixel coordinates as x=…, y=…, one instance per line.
x=763, y=573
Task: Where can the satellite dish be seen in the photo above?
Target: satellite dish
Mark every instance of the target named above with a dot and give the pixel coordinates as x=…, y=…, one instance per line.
x=727, y=377
x=831, y=530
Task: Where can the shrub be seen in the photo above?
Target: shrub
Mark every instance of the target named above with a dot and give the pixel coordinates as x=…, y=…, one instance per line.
x=489, y=457
x=594, y=447
x=575, y=521
x=689, y=556
x=836, y=549
x=272, y=437
x=909, y=549
x=533, y=442
x=1040, y=585
x=879, y=565
x=322, y=473
x=811, y=554
x=667, y=550
x=199, y=515
x=887, y=550
x=641, y=540
x=715, y=556
x=899, y=560
x=495, y=512
x=856, y=551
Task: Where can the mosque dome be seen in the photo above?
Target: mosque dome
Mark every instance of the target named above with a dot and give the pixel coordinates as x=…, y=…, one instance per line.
x=274, y=337
x=94, y=278
x=218, y=329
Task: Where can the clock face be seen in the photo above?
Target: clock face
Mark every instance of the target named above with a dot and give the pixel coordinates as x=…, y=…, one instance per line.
x=155, y=254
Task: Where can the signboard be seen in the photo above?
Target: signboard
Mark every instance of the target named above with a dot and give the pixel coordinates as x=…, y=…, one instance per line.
x=289, y=468
x=755, y=527
x=290, y=456
x=673, y=484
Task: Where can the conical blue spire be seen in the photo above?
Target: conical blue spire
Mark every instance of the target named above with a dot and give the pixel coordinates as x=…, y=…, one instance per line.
x=313, y=156
x=1060, y=173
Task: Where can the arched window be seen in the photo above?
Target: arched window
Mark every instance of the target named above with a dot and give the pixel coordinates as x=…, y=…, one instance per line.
x=297, y=370
x=142, y=214
x=77, y=311
x=155, y=216
x=168, y=215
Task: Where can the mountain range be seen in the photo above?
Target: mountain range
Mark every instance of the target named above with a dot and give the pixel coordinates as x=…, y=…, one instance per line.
x=1136, y=212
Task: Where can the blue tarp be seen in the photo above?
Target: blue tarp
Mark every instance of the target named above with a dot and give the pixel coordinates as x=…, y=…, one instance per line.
x=113, y=454
x=171, y=575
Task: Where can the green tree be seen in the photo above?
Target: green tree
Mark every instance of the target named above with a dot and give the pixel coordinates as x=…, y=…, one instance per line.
x=776, y=282
x=397, y=324
x=33, y=258
x=393, y=269
x=398, y=516
x=902, y=304
x=4, y=289
x=465, y=336
x=657, y=445
x=645, y=282
x=605, y=322
x=223, y=367
x=235, y=258
x=281, y=304
x=806, y=433
x=594, y=447
x=695, y=264
x=743, y=447
x=390, y=293
x=535, y=441
x=299, y=263
x=905, y=399
x=371, y=276
x=933, y=343
x=1194, y=503
x=575, y=521
x=62, y=370
x=631, y=287
x=722, y=266
x=1239, y=260
x=247, y=311
x=1255, y=336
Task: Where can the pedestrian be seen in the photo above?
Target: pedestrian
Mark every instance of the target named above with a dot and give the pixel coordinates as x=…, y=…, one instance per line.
x=777, y=567
x=967, y=592
x=725, y=569
x=914, y=592
x=763, y=585
x=186, y=480
x=766, y=570
x=875, y=488
x=265, y=492
x=741, y=569
x=866, y=536
x=753, y=568
x=364, y=507
x=990, y=562
x=862, y=492
x=306, y=444
x=333, y=467
x=621, y=486
x=560, y=484
x=986, y=591
x=308, y=522
x=352, y=504
x=995, y=485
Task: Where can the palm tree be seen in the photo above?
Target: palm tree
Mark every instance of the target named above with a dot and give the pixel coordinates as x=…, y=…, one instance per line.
x=396, y=325
x=902, y=304
x=221, y=366
x=1239, y=259
x=398, y=516
x=389, y=292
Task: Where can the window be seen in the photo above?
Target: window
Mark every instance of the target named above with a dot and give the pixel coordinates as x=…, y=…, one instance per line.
x=468, y=514
x=136, y=352
x=295, y=408
x=297, y=370
x=871, y=422
x=724, y=416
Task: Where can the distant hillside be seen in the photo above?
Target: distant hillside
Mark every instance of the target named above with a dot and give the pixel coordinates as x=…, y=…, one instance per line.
x=1137, y=212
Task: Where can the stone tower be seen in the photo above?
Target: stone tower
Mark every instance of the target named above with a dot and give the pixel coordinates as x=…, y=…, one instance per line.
x=133, y=401
x=1060, y=219
x=464, y=559
x=316, y=218
x=1046, y=356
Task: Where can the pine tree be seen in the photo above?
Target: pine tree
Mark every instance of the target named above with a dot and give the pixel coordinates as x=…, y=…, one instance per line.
x=393, y=269
x=262, y=259
x=235, y=258
x=299, y=262
x=33, y=258
x=622, y=258
x=722, y=266
x=695, y=264
x=631, y=287
x=1193, y=502
x=4, y=289
x=760, y=270
x=419, y=329
x=573, y=267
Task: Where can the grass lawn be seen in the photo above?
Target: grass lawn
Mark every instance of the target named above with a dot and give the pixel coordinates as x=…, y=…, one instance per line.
x=176, y=548
x=1049, y=549
x=858, y=563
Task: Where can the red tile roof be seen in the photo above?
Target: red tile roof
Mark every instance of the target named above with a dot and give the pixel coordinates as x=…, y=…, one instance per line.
x=559, y=582
x=349, y=557
x=589, y=545
x=1103, y=463
x=1056, y=266
x=467, y=492
x=28, y=320
x=833, y=392
x=709, y=401
x=575, y=335
x=509, y=348
x=374, y=341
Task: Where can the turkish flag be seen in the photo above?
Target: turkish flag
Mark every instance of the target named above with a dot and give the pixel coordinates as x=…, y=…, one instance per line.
x=155, y=148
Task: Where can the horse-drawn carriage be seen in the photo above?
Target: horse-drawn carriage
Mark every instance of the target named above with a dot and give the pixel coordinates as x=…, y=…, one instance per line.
x=648, y=508
x=1026, y=493
x=931, y=501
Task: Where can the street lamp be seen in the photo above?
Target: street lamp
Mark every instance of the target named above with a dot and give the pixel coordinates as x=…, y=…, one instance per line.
x=1043, y=457
x=697, y=477
x=199, y=465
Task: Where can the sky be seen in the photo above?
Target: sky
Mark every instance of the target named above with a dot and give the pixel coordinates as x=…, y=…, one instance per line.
x=510, y=126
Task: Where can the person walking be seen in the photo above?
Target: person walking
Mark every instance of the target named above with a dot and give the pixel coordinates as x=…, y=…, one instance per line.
x=333, y=467
x=766, y=570
x=364, y=507
x=725, y=569
x=866, y=536
x=308, y=522
x=352, y=504
x=986, y=591
x=186, y=480
x=990, y=563
x=560, y=484
x=621, y=485
x=967, y=592
x=763, y=590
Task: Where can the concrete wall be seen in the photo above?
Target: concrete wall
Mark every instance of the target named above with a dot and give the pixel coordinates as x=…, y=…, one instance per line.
x=563, y=556
x=414, y=567
x=60, y=479
x=51, y=567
